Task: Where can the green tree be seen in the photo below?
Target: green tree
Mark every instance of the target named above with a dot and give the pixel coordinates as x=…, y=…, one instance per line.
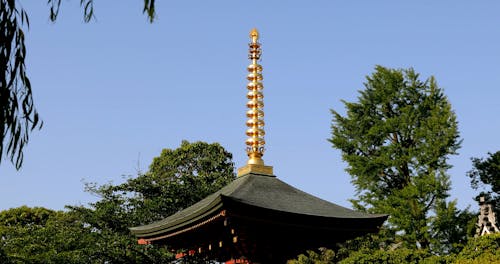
x=451, y=227
x=18, y=116
x=179, y=178
x=486, y=175
x=396, y=140
x=176, y=179
x=40, y=235
x=483, y=249
x=478, y=250
x=324, y=256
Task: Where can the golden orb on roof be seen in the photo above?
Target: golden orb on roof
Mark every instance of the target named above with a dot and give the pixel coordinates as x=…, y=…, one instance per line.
x=254, y=35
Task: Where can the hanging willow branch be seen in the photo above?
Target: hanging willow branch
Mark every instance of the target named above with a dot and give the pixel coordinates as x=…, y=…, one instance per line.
x=88, y=9
x=18, y=116
x=17, y=112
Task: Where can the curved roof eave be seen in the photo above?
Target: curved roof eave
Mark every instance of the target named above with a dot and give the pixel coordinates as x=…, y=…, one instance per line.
x=261, y=191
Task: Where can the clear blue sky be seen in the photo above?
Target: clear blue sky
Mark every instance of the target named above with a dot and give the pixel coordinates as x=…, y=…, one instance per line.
x=114, y=92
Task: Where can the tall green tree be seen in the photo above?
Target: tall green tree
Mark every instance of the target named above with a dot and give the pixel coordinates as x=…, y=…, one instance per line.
x=485, y=175
x=175, y=180
x=18, y=115
x=396, y=140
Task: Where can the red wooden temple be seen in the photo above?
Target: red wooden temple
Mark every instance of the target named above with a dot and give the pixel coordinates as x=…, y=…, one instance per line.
x=257, y=218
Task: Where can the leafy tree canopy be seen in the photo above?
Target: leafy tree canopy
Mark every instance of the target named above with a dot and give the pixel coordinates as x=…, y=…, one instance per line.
x=396, y=140
x=484, y=249
x=18, y=116
x=479, y=250
x=40, y=235
x=175, y=180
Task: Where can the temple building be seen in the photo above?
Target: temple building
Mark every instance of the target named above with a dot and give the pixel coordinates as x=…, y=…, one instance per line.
x=257, y=218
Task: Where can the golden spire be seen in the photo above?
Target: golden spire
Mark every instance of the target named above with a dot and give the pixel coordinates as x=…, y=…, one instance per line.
x=255, y=123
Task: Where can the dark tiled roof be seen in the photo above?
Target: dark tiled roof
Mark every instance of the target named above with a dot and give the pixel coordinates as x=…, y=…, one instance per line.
x=261, y=191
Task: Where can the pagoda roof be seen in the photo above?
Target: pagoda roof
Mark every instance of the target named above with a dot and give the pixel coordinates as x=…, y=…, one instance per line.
x=259, y=191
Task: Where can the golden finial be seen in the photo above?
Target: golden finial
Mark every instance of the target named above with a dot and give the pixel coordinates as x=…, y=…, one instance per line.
x=254, y=35
x=255, y=132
